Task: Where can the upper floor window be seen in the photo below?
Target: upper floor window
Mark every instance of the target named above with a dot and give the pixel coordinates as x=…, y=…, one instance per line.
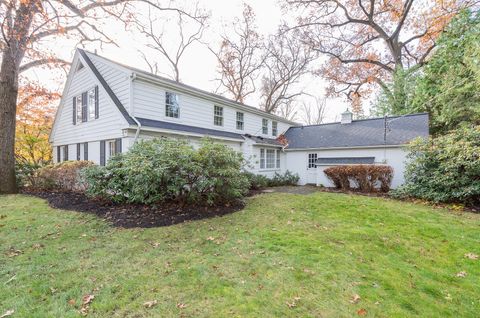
x=312, y=159
x=274, y=128
x=78, y=105
x=85, y=106
x=218, y=115
x=240, y=122
x=172, y=107
x=265, y=126
x=91, y=99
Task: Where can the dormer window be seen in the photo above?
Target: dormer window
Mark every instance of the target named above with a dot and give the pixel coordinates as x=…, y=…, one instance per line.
x=265, y=126
x=172, y=107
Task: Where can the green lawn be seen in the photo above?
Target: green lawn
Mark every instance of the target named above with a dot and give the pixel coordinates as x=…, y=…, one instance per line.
x=283, y=255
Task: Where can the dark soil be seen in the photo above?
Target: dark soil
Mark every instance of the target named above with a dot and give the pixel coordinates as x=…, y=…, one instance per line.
x=129, y=216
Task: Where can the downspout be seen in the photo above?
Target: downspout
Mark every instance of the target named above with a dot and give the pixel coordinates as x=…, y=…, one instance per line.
x=139, y=126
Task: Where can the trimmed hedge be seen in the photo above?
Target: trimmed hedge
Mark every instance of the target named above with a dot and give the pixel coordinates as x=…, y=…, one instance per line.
x=64, y=176
x=258, y=181
x=365, y=178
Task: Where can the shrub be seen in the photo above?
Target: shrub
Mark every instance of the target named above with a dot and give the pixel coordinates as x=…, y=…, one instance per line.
x=63, y=176
x=445, y=168
x=26, y=173
x=256, y=181
x=162, y=170
x=366, y=178
x=288, y=178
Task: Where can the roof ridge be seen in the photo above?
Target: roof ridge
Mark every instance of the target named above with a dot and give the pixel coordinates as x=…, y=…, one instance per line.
x=364, y=119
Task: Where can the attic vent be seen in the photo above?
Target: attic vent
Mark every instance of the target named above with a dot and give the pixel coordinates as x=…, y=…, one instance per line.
x=80, y=66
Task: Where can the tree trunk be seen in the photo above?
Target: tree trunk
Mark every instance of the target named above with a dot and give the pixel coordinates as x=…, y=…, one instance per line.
x=8, y=109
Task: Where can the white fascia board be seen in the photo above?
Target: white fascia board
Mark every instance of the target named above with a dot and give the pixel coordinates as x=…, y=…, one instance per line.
x=184, y=133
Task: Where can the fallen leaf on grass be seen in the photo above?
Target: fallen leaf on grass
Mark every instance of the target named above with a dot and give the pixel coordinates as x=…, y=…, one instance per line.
x=461, y=274
x=181, y=305
x=355, y=299
x=87, y=299
x=210, y=238
x=72, y=302
x=293, y=303
x=150, y=304
x=12, y=252
x=362, y=312
x=7, y=313
x=471, y=256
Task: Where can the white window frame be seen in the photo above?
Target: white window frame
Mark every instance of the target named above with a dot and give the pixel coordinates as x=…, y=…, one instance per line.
x=218, y=115
x=269, y=159
x=170, y=112
x=91, y=104
x=274, y=128
x=64, y=153
x=78, y=108
x=264, y=126
x=311, y=160
x=240, y=123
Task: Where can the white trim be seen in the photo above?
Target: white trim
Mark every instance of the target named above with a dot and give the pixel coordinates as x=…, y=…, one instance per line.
x=352, y=147
x=185, y=133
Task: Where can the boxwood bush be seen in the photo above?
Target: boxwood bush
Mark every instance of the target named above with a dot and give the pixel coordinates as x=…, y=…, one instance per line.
x=167, y=169
x=445, y=168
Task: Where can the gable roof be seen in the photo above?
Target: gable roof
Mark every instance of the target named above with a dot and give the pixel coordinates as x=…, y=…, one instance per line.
x=107, y=88
x=190, y=89
x=359, y=133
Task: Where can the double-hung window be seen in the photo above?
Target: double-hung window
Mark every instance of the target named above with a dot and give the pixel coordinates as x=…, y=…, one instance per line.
x=78, y=105
x=274, y=128
x=265, y=126
x=269, y=158
x=91, y=104
x=312, y=159
x=240, y=122
x=218, y=115
x=112, y=149
x=172, y=107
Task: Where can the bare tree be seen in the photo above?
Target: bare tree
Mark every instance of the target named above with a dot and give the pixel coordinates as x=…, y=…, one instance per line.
x=187, y=30
x=288, y=110
x=240, y=56
x=371, y=43
x=287, y=60
x=314, y=113
x=25, y=26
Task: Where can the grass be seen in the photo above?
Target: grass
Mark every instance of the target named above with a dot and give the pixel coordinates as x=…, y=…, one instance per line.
x=283, y=255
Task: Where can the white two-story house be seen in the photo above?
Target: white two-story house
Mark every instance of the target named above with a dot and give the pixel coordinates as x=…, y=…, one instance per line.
x=106, y=107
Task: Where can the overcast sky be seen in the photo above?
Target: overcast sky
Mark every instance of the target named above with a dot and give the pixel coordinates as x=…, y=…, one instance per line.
x=198, y=65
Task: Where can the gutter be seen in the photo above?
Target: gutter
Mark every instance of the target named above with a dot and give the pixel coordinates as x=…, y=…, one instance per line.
x=139, y=125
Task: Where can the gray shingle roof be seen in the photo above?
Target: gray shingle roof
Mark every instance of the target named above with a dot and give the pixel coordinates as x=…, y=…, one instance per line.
x=365, y=132
x=185, y=128
x=263, y=141
x=345, y=160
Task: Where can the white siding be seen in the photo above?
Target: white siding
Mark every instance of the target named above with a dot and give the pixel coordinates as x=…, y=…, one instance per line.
x=297, y=162
x=149, y=102
x=108, y=126
x=116, y=77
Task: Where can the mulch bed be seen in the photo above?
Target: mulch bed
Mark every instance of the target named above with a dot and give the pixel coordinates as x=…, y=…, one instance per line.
x=130, y=216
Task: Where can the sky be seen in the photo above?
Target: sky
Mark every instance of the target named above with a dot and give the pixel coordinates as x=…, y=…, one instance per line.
x=198, y=65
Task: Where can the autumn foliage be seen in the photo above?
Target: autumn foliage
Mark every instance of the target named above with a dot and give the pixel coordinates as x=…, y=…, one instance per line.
x=365, y=178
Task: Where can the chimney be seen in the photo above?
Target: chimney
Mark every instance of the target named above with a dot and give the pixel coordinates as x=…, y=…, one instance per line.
x=346, y=117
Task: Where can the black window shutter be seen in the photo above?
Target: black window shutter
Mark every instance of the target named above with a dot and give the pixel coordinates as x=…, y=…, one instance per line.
x=74, y=111
x=97, y=113
x=66, y=153
x=78, y=151
x=102, y=152
x=58, y=154
x=84, y=107
x=118, y=145
x=85, y=151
